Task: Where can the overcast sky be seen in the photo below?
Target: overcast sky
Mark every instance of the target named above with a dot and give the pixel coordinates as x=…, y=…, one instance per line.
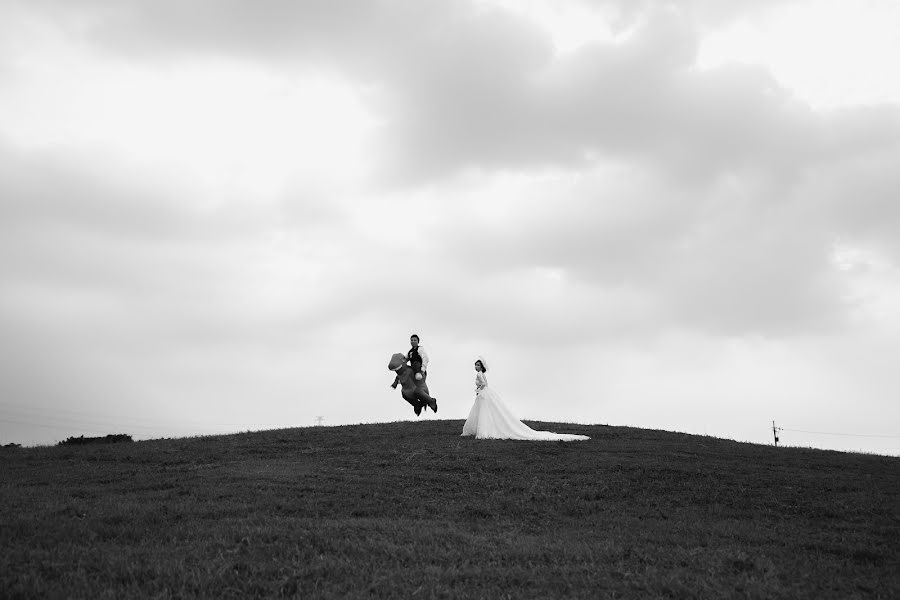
x=226, y=215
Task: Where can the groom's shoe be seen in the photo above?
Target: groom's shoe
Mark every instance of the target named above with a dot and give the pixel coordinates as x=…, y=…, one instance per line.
x=433, y=404
x=418, y=409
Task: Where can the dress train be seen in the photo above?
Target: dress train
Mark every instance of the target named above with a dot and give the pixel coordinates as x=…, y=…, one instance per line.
x=490, y=418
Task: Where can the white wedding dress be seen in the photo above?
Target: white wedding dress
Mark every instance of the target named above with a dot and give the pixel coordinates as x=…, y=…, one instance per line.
x=491, y=419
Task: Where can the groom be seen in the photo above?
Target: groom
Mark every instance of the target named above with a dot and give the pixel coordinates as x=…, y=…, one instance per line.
x=417, y=359
x=412, y=370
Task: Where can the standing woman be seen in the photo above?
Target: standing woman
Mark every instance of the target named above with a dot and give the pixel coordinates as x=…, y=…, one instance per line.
x=491, y=419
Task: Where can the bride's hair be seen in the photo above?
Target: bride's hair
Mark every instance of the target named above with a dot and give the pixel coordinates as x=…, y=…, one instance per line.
x=480, y=361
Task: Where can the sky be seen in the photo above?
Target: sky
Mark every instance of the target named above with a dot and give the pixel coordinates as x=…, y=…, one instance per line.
x=224, y=216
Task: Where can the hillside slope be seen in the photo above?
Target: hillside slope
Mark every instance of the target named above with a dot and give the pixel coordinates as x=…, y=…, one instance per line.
x=410, y=509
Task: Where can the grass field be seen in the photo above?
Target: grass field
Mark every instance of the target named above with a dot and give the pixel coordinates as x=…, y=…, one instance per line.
x=411, y=510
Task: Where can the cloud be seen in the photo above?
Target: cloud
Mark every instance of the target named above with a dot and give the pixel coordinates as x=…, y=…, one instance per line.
x=687, y=178
x=482, y=88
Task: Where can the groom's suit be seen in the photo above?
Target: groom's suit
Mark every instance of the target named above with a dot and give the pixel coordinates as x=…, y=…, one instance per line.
x=418, y=360
x=414, y=391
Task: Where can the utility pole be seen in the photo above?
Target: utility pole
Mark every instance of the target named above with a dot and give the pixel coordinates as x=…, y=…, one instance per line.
x=775, y=433
x=320, y=420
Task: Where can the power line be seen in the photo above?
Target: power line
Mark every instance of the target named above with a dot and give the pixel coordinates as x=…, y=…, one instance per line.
x=52, y=423
x=97, y=423
x=864, y=435
x=53, y=417
x=79, y=415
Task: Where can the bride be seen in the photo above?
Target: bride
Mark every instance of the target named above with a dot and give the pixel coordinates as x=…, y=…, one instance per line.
x=491, y=419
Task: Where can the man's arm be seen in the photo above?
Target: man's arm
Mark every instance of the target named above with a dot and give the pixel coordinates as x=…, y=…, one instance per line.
x=424, y=356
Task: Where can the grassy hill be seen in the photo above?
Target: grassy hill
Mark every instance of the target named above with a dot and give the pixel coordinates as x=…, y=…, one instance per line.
x=411, y=510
